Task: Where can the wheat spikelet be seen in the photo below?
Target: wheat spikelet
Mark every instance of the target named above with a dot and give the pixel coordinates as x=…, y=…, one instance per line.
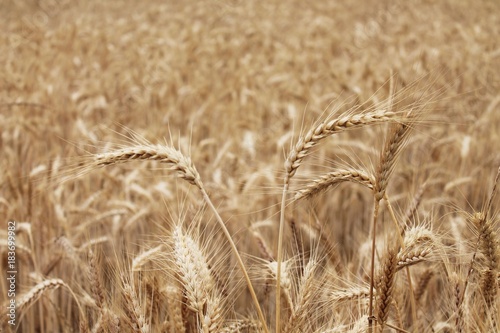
x=113, y=322
x=489, y=287
x=413, y=257
x=84, y=327
x=69, y=249
x=108, y=321
x=298, y=245
x=31, y=296
x=212, y=319
x=328, y=128
x=263, y=247
x=418, y=245
x=490, y=248
x=393, y=146
x=197, y=281
x=488, y=245
x=459, y=296
x=333, y=178
x=92, y=242
x=192, y=268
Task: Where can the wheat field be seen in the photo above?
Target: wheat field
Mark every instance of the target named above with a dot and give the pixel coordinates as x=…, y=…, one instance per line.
x=249, y=166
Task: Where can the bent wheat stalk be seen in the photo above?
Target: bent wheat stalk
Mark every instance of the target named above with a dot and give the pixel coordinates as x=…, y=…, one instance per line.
x=187, y=171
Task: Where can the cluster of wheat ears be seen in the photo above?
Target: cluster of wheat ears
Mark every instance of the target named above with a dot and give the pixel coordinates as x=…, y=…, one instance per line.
x=337, y=162
x=196, y=287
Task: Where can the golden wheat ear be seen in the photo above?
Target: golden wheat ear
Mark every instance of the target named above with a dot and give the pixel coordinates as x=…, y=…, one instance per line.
x=28, y=299
x=197, y=281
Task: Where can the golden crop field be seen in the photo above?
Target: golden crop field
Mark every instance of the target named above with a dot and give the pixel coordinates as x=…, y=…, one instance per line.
x=249, y=166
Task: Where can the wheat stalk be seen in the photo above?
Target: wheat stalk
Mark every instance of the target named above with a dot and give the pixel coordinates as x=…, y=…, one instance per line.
x=95, y=282
x=385, y=287
x=325, y=129
x=143, y=257
x=304, y=299
x=486, y=242
x=393, y=146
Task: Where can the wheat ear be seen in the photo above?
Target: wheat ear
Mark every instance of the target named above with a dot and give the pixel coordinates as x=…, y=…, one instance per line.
x=197, y=281
x=332, y=178
x=418, y=244
x=481, y=221
x=174, y=304
x=142, y=258
x=385, y=286
x=95, y=282
x=187, y=171
x=304, y=299
x=133, y=308
x=163, y=154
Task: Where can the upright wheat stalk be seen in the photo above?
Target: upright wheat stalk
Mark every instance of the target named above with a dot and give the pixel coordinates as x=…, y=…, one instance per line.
x=317, y=133
x=393, y=146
